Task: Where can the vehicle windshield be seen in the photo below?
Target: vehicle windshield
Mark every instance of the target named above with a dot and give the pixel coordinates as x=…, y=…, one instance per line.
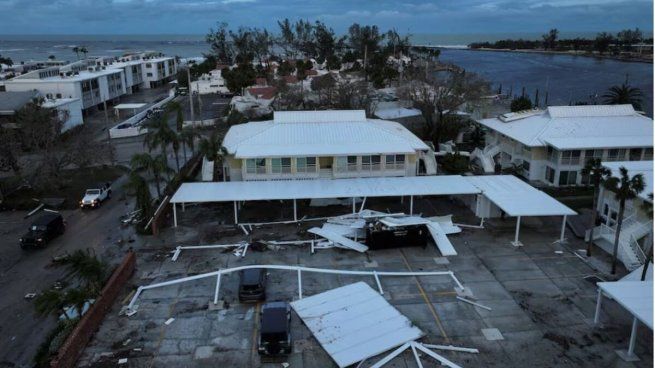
x=93, y=191
x=38, y=228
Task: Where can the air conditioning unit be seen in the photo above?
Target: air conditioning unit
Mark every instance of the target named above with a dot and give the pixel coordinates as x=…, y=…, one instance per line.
x=90, y=69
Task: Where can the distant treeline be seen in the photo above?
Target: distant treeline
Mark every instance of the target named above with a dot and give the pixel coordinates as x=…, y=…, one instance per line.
x=623, y=41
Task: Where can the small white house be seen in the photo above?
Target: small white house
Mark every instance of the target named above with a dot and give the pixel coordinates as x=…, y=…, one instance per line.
x=210, y=83
x=553, y=145
x=637, y=223
x=324, y=144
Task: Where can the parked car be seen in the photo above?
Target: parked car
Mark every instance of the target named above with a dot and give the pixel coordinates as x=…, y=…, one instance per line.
x=252, y=285
x=275, y=329
x=93, y=197
x=45, y=228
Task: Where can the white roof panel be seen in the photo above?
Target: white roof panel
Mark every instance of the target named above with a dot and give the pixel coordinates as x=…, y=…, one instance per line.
x=129, y=106
x=579, y=127
x=326, y=188
x=354, y=322
x=644, y=168
x=315, y=133
x=635, y=296
x=518, y=198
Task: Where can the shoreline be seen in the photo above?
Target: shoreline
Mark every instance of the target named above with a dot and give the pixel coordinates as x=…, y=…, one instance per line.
x=569, y=53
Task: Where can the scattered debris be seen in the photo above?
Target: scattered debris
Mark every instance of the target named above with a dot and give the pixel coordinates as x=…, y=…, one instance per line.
x=122, y=361
x=559, y=252
x=492, y=334
x=169, y=321
x=285, y=365
x=452, y=348
x=30, y=295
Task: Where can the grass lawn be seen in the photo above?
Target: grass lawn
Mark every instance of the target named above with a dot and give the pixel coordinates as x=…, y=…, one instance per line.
x=71, y=187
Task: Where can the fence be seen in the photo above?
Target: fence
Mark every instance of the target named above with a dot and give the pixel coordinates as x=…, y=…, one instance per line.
x=75, y=343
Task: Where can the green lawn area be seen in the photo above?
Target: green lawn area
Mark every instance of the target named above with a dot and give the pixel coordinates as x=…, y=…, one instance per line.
x=71, y=187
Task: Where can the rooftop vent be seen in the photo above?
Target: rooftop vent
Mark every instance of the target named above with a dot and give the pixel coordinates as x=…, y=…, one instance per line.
x=518, y=115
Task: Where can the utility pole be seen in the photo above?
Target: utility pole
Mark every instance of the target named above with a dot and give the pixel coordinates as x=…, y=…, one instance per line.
x=190, y=92
x=199, y=104
x=365, y=62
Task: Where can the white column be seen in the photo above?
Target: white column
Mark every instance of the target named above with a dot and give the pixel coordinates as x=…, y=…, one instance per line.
x=174, y=214
x=516, y=242
x=218, y=286
x=295, y=211
x=411, y=205
x=599, y=301
x=354, y=206
x=633, y=337
x=299, y=284
x=561, y=235
x=183, y=207
x=236, y=213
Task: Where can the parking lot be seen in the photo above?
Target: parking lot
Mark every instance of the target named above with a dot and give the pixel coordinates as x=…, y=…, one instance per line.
x=541, y=305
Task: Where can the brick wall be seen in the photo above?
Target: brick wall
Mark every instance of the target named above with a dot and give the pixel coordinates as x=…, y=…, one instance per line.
x=72, y=348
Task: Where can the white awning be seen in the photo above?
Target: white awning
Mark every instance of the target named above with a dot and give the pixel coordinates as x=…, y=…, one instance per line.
x=518, y=198
x=354, y=322
x=324, y=188
x=129, y=106
x=635, y=296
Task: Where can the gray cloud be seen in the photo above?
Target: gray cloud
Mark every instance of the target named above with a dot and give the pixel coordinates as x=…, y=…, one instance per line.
x=416, y=16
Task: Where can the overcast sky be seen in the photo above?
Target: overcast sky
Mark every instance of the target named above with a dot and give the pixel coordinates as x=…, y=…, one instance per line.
x=414, y=16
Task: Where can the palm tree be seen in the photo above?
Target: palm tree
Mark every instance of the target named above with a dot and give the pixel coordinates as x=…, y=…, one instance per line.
x=142, y=193
x=84, y=51
x=51, y=301
x=597, y=173
x=188, y=137
x=159, y=134
x=624, y=94
x=156, y=165
x=77, y=298
x=76, y=50
x=88, y=268
x=179, y=118
x=624, y=188
x=176, y=141
x=212, y=146
x=648, y=208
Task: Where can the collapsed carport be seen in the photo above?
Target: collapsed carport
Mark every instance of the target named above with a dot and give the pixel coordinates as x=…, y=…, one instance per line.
x=486, y=195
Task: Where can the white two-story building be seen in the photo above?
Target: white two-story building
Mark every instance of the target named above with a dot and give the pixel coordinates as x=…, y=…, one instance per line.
x=553, y=145
x=323, y=144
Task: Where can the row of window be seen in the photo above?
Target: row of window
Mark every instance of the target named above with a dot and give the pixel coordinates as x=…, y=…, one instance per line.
x=574, y=157
x=282, y=165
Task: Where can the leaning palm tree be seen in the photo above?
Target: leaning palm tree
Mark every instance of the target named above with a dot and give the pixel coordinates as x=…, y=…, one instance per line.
x=159, y=134
x=597, y=173
x=176, y=141
x=139, y=185
x=624, y=188
x=156, y=165
x=176, y=107
x=51, y=301
x=624, y=94
x=188, y=136
x=87, y=268
x=212, y=146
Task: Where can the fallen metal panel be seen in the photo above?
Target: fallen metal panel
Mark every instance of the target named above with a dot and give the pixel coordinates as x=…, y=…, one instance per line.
x=336, y=238
x=404, y=221
x=354, y=322
x=441, y=240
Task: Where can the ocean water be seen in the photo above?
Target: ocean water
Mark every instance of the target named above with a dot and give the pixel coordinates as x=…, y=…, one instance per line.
x=568, y=79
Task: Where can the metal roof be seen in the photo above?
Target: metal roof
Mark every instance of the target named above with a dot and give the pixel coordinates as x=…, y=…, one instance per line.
x=354, y=322
x=10, y=102
x=635, y=296
x=316, y=133
x=518, y=198
x=322, y=188
x=579, y=127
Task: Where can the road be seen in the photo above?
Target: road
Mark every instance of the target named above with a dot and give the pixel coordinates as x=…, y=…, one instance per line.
x=22, y=272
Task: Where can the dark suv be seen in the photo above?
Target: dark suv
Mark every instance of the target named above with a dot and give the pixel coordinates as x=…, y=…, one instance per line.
x=275, y=329
x=45, y=228
x=252, y=285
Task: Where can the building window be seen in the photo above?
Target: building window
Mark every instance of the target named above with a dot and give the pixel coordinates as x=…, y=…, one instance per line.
x=553, y=154
x=352, y=163
x=648, y=154
x=568, y=177
x=148, y=74
x=593, y=154
x=395, y=162
x=371, y=163
x=306, y=164
x=615, y=155
x=256, y=166
x=526, y=168
x=281, y=165
x=635, y=154
x=550, y=174
x=570, y=157
x=148, y=65
x=341, y=163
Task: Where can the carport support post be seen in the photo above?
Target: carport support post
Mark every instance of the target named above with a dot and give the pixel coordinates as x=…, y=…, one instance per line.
x=599, y=301
x=633, y=338
x=218, y=286
x=174, y=214
x=561, y=235
x=516, y=242
x=299, y=284
x=236, y=213
x=411, y=205
x=295, y=211
x=354, y=206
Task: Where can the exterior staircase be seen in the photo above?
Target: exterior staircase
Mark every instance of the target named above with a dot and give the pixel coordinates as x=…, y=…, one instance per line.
x=629, y=251
x=486, y=157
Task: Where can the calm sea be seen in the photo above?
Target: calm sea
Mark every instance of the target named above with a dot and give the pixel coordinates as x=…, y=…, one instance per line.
x=568, y=79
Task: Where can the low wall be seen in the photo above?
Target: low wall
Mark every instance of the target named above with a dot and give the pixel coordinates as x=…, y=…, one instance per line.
x=75, y=343
x=135, y=130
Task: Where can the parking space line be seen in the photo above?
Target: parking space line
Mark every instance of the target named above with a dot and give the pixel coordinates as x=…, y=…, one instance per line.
x=426, y=299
